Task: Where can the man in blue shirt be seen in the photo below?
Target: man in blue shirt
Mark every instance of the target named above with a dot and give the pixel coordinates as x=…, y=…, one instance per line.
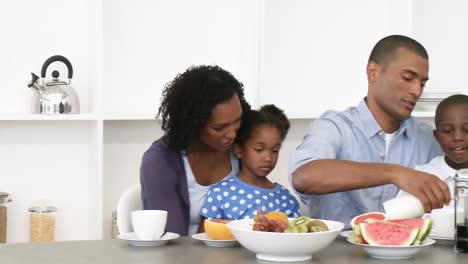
x=351, y=162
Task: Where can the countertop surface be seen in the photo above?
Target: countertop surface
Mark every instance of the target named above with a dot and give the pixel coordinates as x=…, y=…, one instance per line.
x=188, y=250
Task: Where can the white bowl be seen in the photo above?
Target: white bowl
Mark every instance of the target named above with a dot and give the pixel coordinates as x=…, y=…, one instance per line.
x=284, y=247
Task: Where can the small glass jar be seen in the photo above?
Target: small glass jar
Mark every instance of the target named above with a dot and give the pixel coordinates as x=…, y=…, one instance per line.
x=461, y=211
x=114, y=228
x=42, y=222
x=4, y=200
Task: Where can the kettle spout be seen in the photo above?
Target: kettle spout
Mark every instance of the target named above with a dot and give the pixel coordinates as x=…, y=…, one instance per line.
x=34, y=84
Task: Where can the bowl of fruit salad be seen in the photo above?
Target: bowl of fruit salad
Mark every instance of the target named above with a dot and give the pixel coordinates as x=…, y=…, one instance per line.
x=275, y=240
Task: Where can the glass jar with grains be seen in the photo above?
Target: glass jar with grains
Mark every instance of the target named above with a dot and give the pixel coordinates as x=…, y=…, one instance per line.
x=42, y=221
x=114, y=227
x=4, y=200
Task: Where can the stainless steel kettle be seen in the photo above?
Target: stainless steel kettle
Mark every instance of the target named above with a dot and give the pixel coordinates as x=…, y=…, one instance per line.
x=55, y=96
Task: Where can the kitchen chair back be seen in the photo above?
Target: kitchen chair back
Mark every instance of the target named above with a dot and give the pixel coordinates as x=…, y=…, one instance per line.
x=129, y=201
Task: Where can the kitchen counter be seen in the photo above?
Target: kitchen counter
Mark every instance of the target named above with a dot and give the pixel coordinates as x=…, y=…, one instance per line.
x=187, y=250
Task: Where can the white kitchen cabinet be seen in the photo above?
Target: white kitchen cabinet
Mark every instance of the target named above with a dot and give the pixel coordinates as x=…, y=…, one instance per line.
x=315, y=52
x=441, y=27
x=305, y=56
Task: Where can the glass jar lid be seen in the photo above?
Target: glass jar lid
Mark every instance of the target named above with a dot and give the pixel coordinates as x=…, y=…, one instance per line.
x=47, y=209
x=4, y=197
x=42, y=206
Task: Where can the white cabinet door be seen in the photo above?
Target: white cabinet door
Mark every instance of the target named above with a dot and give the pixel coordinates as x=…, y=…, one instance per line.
x=147, y=43
x=314, y=53
x=441, y=26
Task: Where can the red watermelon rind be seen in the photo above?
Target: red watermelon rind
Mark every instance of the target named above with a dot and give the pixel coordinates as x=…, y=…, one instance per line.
x=363, y=218
x=424, y=225
x=385, y=232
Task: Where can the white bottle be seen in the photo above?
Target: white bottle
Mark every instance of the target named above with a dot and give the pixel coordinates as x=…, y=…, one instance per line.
x=403, y=206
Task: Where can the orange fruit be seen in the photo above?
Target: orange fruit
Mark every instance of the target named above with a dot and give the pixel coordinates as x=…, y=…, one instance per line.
x=217, y=229
x=275, y=215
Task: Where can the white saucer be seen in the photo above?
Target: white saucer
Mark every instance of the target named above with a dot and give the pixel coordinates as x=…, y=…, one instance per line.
x=442, y=240
x=393, y=252
x=448, y=241
x=133, y=240
x=215, y=243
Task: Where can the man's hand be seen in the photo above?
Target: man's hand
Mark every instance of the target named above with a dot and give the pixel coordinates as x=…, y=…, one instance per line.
x=432, y=191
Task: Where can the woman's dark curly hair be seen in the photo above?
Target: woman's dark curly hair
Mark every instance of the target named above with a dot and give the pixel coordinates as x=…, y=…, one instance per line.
x=267, y=115
x=188, y=100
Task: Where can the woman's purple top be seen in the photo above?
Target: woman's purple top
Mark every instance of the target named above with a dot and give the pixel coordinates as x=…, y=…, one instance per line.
x=164, y=185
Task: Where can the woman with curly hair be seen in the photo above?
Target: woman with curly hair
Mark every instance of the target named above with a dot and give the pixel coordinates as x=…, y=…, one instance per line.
x=201, y=112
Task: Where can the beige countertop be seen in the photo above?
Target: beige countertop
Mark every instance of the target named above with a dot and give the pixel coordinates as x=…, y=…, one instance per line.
x=187, y=250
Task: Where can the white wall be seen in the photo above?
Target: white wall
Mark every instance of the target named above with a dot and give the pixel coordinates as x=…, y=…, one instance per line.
x=46, y=160
x=147, y=43
x=32, y=31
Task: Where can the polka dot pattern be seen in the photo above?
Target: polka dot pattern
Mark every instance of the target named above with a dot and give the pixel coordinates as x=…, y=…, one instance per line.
x=235, y=199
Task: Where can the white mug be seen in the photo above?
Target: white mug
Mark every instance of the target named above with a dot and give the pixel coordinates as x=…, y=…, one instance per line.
x=443, y=222
x=149, y=224
x=403, y=206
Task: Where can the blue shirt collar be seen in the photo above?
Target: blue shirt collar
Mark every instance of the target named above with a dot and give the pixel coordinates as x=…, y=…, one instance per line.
x=370, y=125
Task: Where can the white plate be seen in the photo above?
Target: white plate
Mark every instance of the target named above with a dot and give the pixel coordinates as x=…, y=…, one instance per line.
x=346, y=234
x=133, y=240
x=215, y=243
x=393, y=252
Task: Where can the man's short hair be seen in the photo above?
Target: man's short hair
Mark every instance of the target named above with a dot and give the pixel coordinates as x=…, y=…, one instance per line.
x=384, y=51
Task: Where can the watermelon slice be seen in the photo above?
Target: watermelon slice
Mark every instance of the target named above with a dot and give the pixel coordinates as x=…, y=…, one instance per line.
x=424, y=226
x=357, y=239
x=385, y=233
x=363, y=218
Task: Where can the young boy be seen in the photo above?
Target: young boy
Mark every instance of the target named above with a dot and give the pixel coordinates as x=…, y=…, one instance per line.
x=451, y=122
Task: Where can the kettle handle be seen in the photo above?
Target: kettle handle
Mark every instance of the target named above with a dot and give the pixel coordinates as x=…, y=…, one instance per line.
x=54, y=59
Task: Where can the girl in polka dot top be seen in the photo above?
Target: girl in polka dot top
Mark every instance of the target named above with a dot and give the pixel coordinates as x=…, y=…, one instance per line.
x=257, y=146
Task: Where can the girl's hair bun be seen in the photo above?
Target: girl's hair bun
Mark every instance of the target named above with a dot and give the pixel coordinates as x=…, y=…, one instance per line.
x=274, y=110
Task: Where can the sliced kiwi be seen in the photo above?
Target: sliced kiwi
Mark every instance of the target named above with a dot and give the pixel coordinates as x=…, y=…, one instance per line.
x=317, y=226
